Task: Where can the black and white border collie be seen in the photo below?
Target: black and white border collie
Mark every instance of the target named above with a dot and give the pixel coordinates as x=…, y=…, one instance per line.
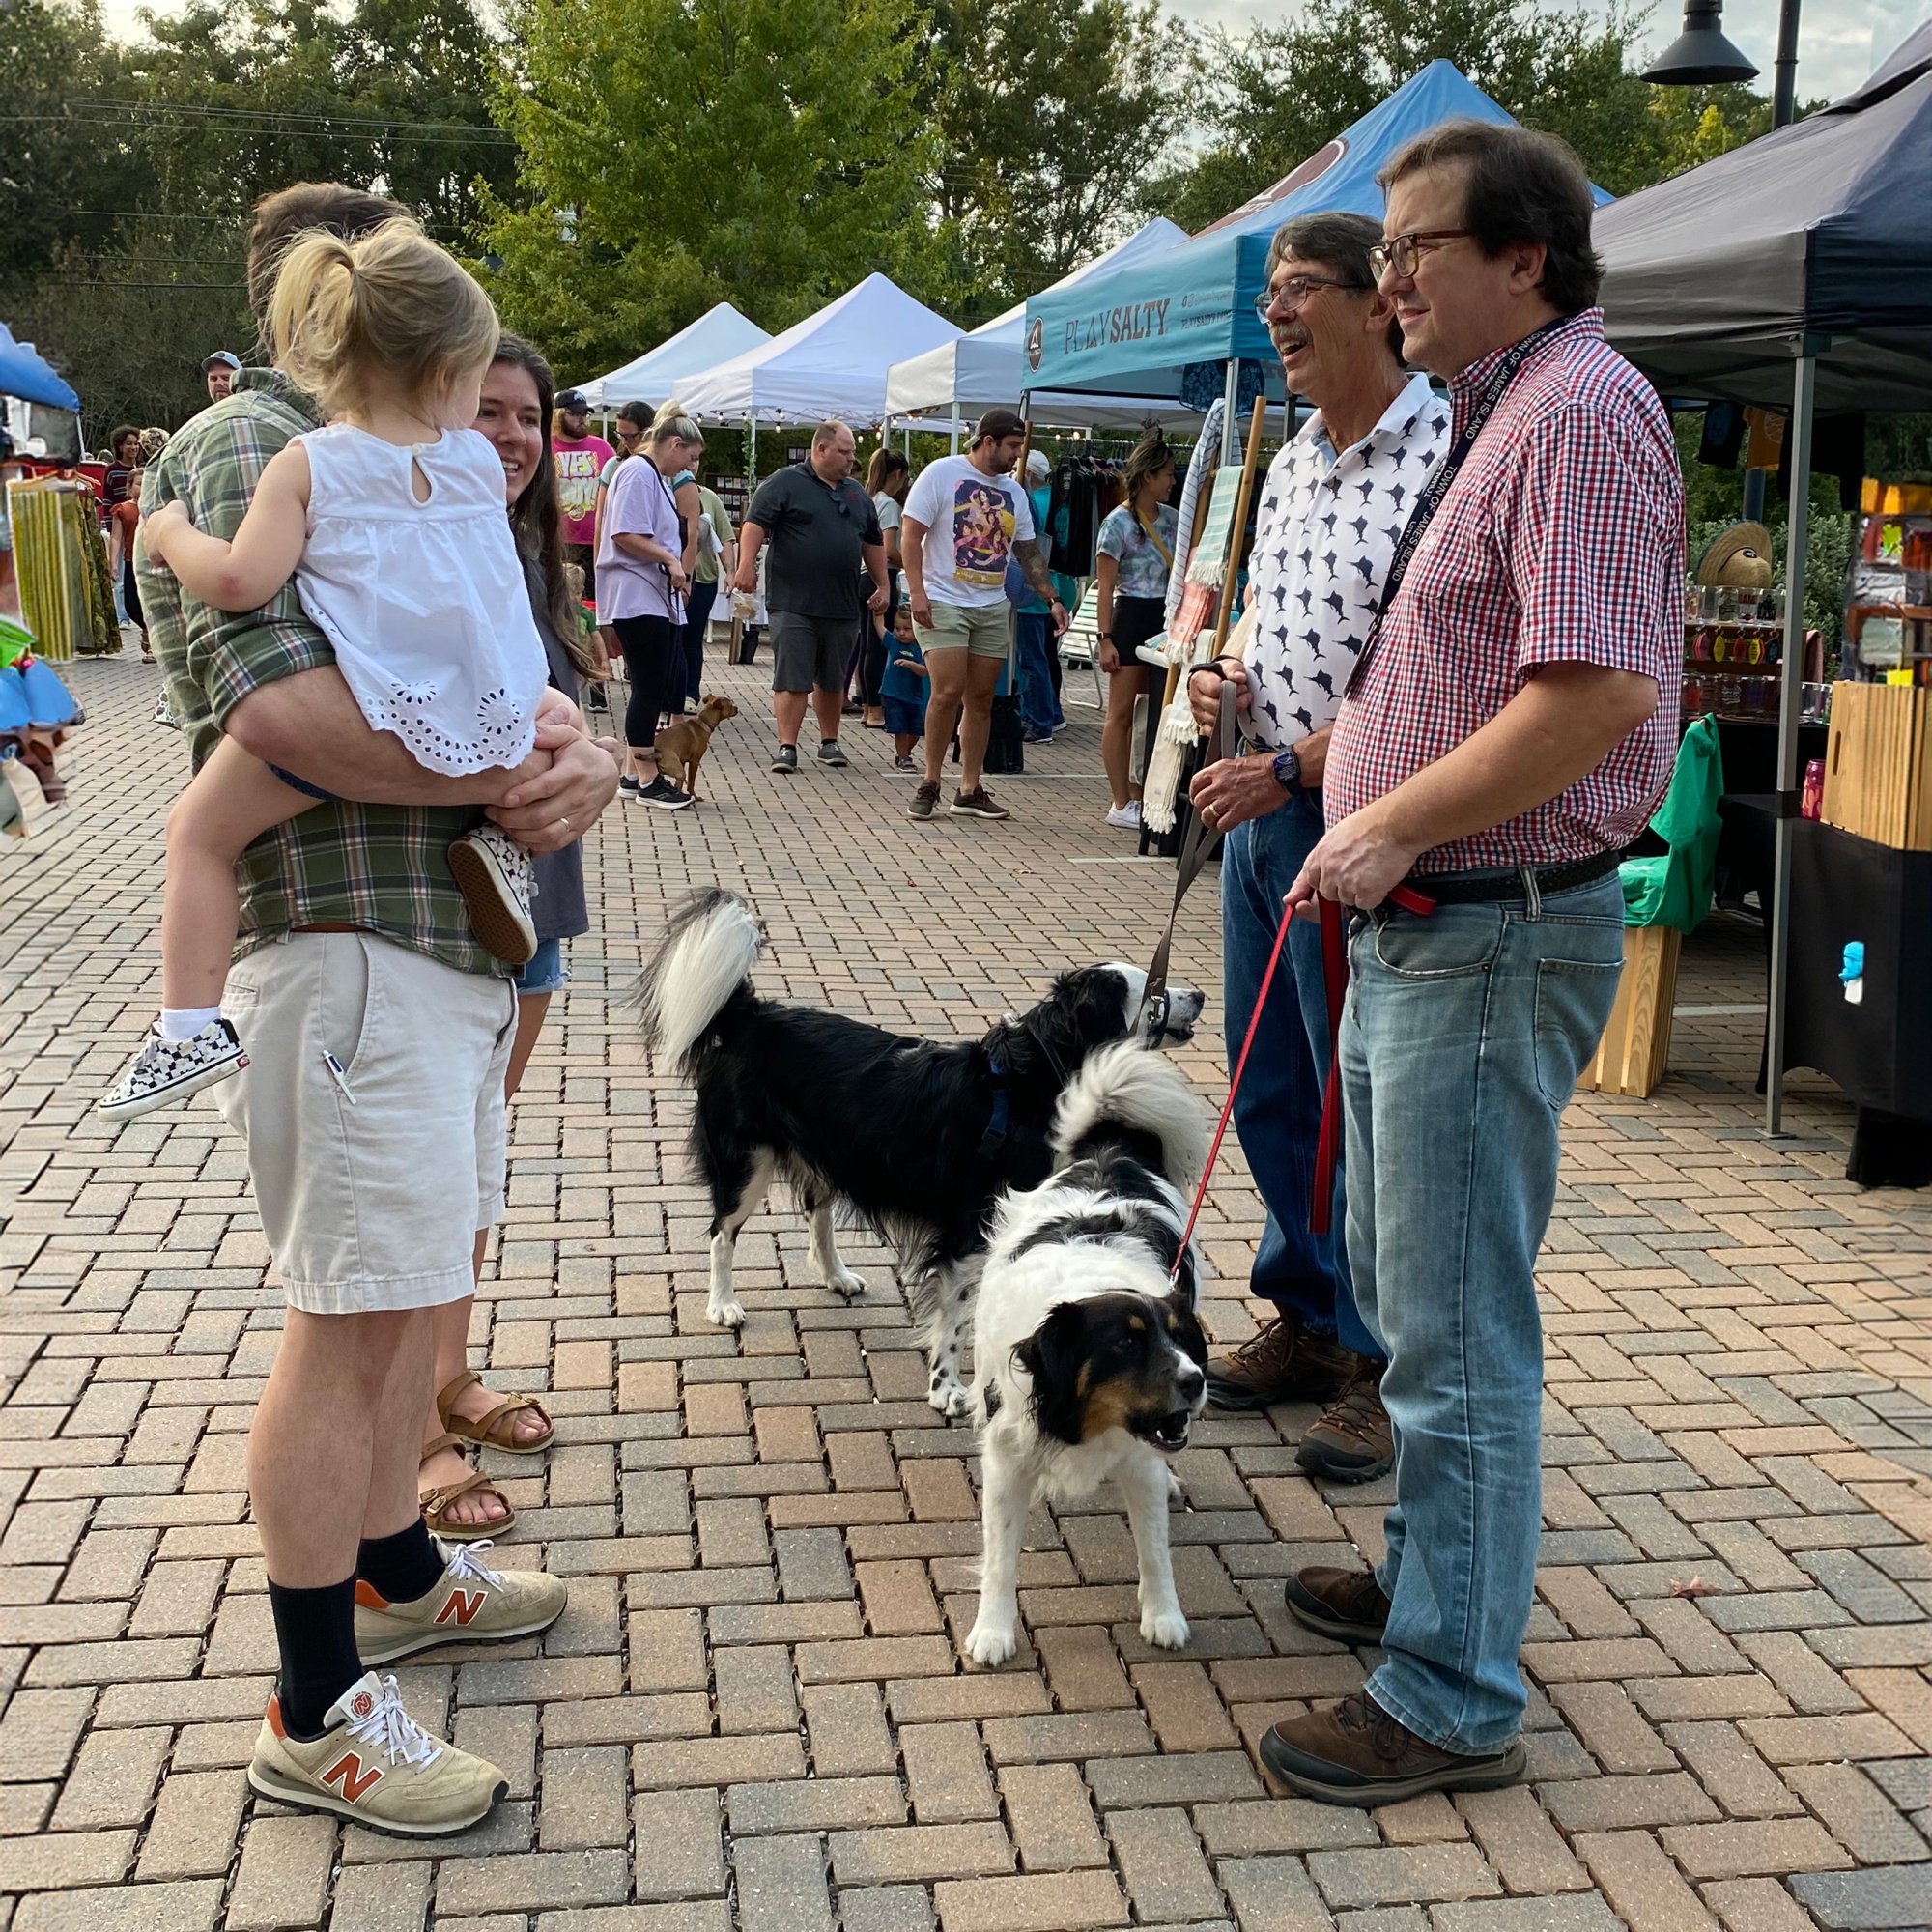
x=915, y=1139
x=1089, y=1359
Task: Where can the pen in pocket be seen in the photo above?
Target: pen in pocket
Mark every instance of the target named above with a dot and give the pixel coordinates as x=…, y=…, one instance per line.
x=335, y=1074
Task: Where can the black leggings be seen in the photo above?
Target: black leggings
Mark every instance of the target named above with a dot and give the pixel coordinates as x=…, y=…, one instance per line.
x=653, y=650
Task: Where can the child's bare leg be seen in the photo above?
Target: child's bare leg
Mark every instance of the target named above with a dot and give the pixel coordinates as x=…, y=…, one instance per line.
x=230, y=801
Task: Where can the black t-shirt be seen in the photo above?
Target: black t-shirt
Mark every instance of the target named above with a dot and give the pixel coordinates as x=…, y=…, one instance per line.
x=816, y=535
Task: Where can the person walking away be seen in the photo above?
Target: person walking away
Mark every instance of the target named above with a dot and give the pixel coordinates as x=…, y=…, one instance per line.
x=458, y=1503
x=717, y=558
x=359, y=970
x=965, y=518
x=219, y=371
x=392, y=337
x=121, y=496
x=822, y=528
x=1034, y=647
x=628, y=427
x=1506, y=735
x=902, y=689
x=641, y=556
x=1133, y=556
x=1330, y=509
x=887, y=478
x=580, y=459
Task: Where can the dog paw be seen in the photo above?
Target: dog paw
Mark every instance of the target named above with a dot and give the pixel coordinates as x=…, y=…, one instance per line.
x=1166, y=1627
x=851, y=1285
x=1176, y=1497
x=990, y=1644
x=727, y=1314
x=950, y=1398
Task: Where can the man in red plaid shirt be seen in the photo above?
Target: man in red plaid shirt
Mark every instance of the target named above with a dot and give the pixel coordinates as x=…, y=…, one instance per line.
x=1508, y=732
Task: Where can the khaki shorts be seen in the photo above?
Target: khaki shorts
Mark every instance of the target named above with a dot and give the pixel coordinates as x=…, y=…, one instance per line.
x=986, y=630
x=372, y=1206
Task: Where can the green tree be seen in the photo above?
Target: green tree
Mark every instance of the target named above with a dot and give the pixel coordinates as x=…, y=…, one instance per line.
x=1052, y=114
x=677, y=153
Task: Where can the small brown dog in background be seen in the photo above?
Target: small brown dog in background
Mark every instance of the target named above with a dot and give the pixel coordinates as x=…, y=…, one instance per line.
x=682, y=744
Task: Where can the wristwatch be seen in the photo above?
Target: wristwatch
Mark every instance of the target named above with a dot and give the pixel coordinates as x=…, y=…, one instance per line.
x=1287, y=769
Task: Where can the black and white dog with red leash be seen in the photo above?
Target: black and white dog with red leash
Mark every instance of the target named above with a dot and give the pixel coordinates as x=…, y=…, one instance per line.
x=914, y=1139
x=1089, y=1359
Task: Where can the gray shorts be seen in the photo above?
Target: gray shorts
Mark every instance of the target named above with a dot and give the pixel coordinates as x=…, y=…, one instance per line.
x=809, y=651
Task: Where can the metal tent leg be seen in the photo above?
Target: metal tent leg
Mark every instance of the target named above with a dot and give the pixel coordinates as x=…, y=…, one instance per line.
x=1791, y=691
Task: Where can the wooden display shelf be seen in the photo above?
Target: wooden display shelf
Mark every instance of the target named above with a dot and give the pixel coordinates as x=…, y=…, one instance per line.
x=1878, y=764
x=1635, y=1049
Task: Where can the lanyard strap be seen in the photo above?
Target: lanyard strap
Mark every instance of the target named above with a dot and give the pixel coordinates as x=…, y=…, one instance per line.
x=1496, y=387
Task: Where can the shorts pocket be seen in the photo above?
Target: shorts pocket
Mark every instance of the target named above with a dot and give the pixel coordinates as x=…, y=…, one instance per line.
x=348, y=1001
x=1573, y=998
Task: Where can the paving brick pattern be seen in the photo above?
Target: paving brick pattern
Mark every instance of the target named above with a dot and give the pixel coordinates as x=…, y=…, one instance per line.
x=753, y=1715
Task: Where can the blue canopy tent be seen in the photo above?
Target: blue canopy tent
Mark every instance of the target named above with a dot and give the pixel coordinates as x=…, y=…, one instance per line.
x=26, y=373
x=1134, y=331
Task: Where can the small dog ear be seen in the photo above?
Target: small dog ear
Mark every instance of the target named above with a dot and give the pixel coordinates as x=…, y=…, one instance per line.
x=1052, y=1356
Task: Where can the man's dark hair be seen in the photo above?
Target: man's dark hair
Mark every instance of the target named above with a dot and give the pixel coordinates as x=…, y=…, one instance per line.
x=1338, y=242
x=997, y=424
x=280, y=217
x=1522, y=187
x=638, y=415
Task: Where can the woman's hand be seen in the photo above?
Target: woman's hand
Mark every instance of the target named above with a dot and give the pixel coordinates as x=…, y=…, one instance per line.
x=679, y=581
x=1109, y=657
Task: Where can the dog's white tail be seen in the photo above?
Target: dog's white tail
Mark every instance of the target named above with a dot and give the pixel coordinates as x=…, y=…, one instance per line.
x=708, y=953
x=1128, y=1086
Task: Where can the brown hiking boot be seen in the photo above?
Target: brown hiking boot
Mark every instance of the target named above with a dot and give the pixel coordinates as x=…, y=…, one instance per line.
x=1356, y=1753
x=1347, y=1604
x=1352, y=1442
x=1282, y=1363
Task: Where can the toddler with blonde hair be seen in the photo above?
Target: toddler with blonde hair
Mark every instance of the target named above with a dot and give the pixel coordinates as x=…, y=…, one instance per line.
x=392, y=522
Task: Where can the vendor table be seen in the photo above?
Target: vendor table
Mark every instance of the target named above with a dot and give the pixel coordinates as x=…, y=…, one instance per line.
x=1880, y=1049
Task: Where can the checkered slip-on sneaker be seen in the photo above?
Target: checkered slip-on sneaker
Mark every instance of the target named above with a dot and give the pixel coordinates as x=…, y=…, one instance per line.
x=497, y=883
x=375, y=1764
x=167, y=1071
x=471, y=1603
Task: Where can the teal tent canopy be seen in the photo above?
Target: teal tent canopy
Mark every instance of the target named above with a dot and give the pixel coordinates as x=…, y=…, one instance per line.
x=30, y=376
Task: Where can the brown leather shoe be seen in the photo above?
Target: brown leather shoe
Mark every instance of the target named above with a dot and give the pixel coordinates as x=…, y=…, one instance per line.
x=1347, y=1604
x=1282, y=1362
x=1356, y=1753
x=1353, y=1442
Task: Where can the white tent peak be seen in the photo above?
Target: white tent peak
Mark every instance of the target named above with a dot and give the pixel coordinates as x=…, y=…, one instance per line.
x=717, y=334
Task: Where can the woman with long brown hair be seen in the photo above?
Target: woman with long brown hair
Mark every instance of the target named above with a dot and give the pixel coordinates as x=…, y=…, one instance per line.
x=1134, y=553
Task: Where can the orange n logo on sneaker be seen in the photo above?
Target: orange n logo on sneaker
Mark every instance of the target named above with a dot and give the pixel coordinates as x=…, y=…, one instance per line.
x=348, y=1772
x=463, y=1605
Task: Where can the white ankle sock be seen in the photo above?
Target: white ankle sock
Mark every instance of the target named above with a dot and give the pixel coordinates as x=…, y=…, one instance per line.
x=179, y=1023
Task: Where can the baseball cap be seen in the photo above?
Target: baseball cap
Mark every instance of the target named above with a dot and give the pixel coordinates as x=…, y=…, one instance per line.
x=225, y=357
x=572, y=399
x=1036, y=463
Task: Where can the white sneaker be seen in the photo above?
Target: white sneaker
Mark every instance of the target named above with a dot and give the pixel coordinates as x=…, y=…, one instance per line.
x=471, y=1603
x=1125, y=818
x=375, y=1764
x=498, y=885
x=167, y=1071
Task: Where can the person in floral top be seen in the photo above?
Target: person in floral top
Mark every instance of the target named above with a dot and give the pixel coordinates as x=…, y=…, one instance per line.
x=1135, y=553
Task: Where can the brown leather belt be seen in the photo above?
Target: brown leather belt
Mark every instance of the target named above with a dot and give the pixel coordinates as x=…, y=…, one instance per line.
x=327, y=926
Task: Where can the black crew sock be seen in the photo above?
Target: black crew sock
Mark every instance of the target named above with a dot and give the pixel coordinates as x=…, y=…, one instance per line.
x=403, y=1567
x=315, y=1630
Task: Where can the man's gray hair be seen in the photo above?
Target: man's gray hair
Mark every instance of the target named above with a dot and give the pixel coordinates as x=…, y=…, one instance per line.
x=1338, y=242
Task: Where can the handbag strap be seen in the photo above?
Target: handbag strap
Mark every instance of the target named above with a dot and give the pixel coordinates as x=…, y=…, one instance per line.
x=1152, y=536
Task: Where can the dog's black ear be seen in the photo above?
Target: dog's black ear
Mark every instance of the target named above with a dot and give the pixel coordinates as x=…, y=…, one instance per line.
x=1053, y=1356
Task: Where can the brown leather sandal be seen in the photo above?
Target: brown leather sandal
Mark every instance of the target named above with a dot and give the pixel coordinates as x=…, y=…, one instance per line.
x=435, y=1501
x=496, y=1428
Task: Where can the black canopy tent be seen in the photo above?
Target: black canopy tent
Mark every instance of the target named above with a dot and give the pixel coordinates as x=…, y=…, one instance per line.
x=1795, y=271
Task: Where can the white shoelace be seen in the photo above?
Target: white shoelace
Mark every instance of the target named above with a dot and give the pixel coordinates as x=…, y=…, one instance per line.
x=465, y=1567
x=394, y=1732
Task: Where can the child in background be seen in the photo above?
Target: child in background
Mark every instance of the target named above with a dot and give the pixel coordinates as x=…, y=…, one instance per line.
x=393, y=523
x=902, y=689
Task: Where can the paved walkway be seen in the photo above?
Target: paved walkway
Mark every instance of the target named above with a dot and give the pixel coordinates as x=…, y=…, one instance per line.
x=752, y=1713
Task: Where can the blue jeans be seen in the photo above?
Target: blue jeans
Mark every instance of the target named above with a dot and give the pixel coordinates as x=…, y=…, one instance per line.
x=1039, y=705
x=1462, y=1041
x=697, y=616
x=1278, y=1111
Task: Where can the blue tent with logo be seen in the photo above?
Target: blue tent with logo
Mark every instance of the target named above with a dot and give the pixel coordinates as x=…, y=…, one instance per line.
x=1134, y=331
x=30, y=376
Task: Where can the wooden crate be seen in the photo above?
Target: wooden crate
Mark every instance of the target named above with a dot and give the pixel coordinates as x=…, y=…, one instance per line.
x=1878, y=764
x=1635, y=1049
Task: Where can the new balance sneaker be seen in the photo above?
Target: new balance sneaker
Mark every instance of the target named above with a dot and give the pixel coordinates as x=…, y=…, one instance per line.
x=784, y=760
x=471, y=1603
x=664, y=795
x=1125, y=818
x=167, y=1071
x=497, y=883
x=375, y=1764
x=829, y=753
x=925, y=800
x=978, y=803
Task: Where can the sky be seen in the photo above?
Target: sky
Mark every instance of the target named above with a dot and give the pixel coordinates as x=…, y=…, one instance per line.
x=1840, y=42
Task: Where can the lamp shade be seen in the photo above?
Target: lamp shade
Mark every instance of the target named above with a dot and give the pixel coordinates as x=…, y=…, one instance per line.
x=1700, y=56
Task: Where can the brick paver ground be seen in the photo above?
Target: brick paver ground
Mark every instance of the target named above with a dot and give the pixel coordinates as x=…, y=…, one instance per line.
x=754, y=1712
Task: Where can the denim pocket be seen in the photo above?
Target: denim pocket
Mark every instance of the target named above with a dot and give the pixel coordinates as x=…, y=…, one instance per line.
x=1573, y=998
x=1443, y=946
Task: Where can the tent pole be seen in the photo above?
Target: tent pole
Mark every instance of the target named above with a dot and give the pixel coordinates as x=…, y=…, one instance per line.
x=953, y=447
x=1791, y=691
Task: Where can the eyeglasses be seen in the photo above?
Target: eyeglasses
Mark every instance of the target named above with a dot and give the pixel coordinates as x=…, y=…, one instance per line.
x=1403, y=253
x=1295, y=290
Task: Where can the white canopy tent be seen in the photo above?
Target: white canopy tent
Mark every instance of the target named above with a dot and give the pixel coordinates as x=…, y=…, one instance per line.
x=715, y=337
x=988, y=367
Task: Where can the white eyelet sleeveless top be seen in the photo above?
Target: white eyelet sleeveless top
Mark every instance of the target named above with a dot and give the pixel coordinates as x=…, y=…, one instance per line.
x=425, y=604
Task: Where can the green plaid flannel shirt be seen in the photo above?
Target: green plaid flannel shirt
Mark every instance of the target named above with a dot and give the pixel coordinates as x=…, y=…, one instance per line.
x=382, y=868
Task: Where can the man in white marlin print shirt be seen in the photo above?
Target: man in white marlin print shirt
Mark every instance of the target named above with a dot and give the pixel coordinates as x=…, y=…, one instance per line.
x=1334, y=504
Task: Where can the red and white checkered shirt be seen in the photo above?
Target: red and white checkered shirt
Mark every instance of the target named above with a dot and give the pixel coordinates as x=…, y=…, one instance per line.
x=1561, y=539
